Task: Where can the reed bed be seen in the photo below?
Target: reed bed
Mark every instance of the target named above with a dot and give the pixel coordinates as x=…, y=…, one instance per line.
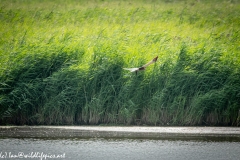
x=62, y=62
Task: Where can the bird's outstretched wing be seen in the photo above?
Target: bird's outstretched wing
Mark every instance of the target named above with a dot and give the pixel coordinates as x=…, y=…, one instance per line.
x=151, y=62
x=132, y=69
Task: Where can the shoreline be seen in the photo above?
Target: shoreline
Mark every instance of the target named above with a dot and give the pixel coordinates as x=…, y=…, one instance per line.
x=132, y=132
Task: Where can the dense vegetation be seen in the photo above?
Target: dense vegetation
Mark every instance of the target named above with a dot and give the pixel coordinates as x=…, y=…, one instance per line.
x=61, y=62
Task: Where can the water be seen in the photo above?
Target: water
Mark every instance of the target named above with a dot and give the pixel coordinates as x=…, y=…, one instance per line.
x=119, y=149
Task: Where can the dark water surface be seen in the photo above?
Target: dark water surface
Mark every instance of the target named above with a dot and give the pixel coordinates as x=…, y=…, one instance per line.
x=118, y=149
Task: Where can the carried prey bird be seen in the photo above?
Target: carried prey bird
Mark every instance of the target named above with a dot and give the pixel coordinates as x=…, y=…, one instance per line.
x=143, y=67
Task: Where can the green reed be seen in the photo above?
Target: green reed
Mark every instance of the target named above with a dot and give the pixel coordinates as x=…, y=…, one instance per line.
x=62, y=62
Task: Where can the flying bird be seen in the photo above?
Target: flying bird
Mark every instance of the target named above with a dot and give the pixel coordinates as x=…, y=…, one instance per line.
x=143, y=67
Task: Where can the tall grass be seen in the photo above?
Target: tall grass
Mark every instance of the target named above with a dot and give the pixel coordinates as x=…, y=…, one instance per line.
x=61, y=62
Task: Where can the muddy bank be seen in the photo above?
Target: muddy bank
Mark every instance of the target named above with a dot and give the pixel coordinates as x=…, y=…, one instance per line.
x=218, y=133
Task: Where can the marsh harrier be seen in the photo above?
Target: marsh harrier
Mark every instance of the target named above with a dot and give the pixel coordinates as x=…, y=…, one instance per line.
x=143, y=67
